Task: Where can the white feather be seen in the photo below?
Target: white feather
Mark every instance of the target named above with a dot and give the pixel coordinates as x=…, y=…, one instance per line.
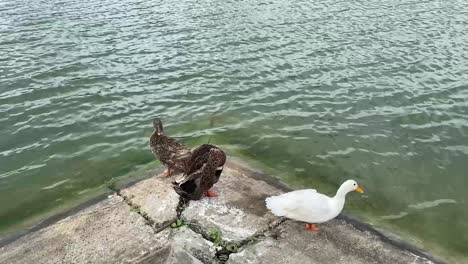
x=309, y=205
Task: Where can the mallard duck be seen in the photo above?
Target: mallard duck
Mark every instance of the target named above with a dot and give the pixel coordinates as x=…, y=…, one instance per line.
x=203, y=171
x=310, y=206
x=170, y=152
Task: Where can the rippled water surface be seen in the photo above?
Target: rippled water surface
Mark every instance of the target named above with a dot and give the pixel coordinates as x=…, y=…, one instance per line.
x=317, y=91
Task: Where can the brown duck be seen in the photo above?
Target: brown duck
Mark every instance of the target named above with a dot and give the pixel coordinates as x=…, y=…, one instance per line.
x=170, y=152
x=203, y=171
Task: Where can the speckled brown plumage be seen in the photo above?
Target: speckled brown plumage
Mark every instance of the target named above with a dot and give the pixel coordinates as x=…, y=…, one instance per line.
x=204, y=169
x=170, y=152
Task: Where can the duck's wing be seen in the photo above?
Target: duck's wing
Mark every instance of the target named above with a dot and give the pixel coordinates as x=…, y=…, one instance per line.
x=190, y=177
x=173, y=153
x=194, y=167
x=181, y=154
x=163, y=144
x=213, y=168
x=220, y=161
x=299, y=204
x=201, y=180
x=199, y=157
x=175, y=147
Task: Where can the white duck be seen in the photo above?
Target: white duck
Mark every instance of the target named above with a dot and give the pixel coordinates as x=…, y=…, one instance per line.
x=310, y=206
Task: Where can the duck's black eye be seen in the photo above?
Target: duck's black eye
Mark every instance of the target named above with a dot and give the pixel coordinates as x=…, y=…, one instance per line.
x=354, y=184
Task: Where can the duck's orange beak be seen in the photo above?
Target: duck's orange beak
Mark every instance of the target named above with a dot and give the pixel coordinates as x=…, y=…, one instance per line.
x=359, y=190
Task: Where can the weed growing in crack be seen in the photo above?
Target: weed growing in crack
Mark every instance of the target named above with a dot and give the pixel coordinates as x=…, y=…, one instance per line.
x=226, y=248
x=216, y=236
x=178, y=223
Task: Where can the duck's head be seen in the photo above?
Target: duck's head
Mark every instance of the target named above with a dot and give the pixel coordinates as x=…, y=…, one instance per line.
x=349, y=186
x=158, y=127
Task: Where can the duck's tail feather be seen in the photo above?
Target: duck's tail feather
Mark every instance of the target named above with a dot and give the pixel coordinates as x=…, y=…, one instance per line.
x=187, y=190
x=178, y=189
x=274, y=204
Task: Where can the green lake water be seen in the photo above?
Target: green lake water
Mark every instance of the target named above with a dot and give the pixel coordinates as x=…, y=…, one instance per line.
x=316, y=92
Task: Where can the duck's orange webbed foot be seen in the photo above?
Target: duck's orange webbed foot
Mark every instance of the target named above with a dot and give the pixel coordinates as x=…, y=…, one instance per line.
x=211, y=194
x=312, y=227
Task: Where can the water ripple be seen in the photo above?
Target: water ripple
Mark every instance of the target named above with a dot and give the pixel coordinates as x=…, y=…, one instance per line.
x=319, y=89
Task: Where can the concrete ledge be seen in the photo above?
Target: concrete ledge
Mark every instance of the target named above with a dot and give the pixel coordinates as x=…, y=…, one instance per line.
x=239, y=211
x=337, y=242
x=137, y=225
x=103, y=233
x=155, y=197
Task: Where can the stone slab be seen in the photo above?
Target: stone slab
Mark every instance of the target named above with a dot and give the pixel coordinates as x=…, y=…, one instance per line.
x=168, y=255
x=337, y=243
x=107, y=232
x=185, y=246
x=239, y=210
x=155, y=197
x=111, y=232
x=185, y=239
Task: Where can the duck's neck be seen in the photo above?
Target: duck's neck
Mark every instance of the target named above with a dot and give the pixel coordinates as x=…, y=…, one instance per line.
x=340, y=197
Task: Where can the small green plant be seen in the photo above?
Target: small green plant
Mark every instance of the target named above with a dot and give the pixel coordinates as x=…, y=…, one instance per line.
x=216, y=236
x=178, y=223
